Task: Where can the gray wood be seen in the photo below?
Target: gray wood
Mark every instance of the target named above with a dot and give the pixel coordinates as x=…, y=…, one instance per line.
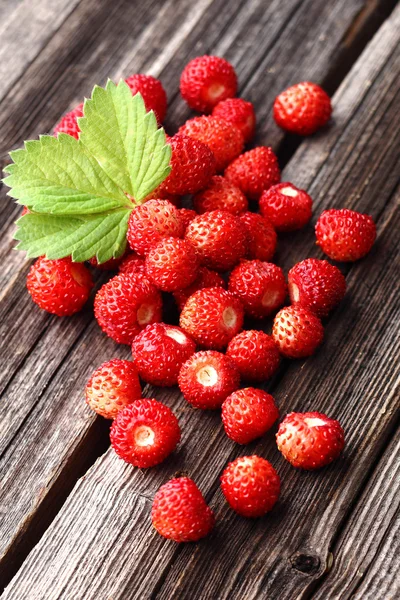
x=101, y=544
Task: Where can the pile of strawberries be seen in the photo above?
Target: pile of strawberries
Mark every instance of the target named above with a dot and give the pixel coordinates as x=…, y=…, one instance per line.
x=216, y=260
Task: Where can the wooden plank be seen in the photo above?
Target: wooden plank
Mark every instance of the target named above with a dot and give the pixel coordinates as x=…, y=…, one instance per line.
x=261, y=558
x=367, y=554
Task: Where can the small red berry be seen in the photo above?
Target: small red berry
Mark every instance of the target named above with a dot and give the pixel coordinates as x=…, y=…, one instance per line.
x=345, y=235
x=255, y=354
x=132, y=264
x=254, y=171
x=220, y=194
x=151, y=222
x=60, y=287
x=144, y=433
x=247, y=414
x=251, y=486
x=152, y=92
x=206, y=80
x=114, y=385
x=69, y=122
x=287, y=207
x=238, y=113
x=159, y=351
x=297, y=332
x=204, y=279
x=219, y=238
x=316, y=285
x=260, y=286
x=225, y=141
x=303, y=108
x=125, y=305
x=207, y=378
x=172, y=264
x=180, y=512
x=187, y=216
x=212, y=316
x=261, y=236
x=310, y=440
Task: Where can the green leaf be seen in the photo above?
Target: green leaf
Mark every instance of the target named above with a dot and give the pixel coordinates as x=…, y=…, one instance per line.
x=80, y=237
x=125, y=139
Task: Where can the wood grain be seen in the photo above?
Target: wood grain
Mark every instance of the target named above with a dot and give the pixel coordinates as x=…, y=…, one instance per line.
x=101, y=544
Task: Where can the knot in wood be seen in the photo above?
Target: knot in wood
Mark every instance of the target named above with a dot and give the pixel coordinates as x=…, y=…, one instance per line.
x=305, y=562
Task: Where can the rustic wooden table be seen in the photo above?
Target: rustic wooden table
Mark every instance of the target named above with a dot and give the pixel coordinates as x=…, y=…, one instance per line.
x=74, y=518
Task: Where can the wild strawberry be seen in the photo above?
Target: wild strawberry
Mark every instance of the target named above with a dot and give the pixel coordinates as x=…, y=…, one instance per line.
x=114, y=385
x=159, y=351
x=172, y=264
x=204, y=279
x=303, y=108
x=225, y=141
x=251, y=486
x=255, y=354
x=152, y=92
x=344, y=234
x=187, y=216
x=160, y=193
x=238, y=113
x=261, y=236
x=206, y=80
x=180, y=512
x=297, y=332
x=151, y=222
x=220, y=194
x=212, y=316
x=219, y=238
x=144, y=433
x=310, y=440
x=254, y=171
x=125, y=305
x=60, y=287
x=287, y=207
x=260, y=286
x=247, y=414
x=132, y=264
x=192, y=164
x=69, y=122
x=316, y=285
x=207, y=378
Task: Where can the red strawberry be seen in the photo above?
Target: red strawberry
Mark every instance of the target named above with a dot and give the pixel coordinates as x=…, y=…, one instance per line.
x=125, y=305
x=220, y=195
x=303, y=108
x=159, y=351
x=297, y=332
x=316, y=285
x=151, y=222
x=160, y=193
x=310, y=440
x=60, y=287
x=152, y=92
x=261, y=236
x=187, y=216
x=114, y=385
x=180, y=512
x=207, y=378
x=212, y=316
x=254, y=171
x=132, y=264
x=219, y=238
x=206, y=80
x=204, y=279
x=260, y=286
x=247, y=414
x=287, y=207
x=69, y=122
x=144, y=433
x=225, y=141
x=172, y=264
x=192, y=164
x=238, y=113
x=344, y=234
x=251, y=486
x=255, y=354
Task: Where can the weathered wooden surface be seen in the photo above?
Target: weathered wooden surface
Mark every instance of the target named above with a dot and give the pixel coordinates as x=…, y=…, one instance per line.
x=101, y=543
